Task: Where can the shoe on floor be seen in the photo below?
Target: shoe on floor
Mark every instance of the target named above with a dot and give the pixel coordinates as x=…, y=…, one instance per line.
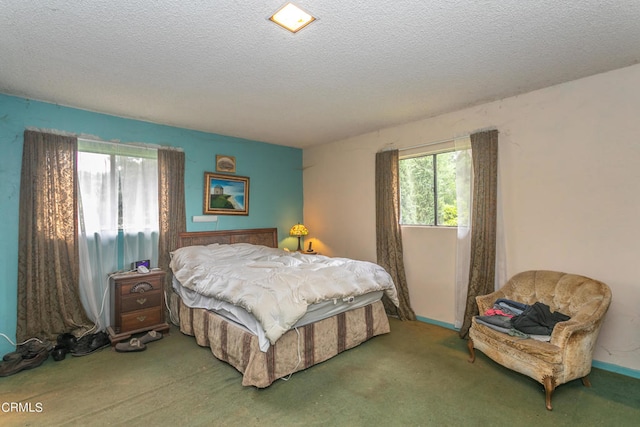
x=67, y=341
x=27, y=350
x=150, y=337
x=59, y=353
x=134, y=344
x=15, y=364
x=90, y=343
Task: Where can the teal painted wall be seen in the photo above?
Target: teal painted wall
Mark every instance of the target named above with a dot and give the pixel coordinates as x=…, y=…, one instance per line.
x=275, y=172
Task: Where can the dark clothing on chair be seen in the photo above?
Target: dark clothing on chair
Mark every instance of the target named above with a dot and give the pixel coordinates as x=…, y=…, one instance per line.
x=538, y=319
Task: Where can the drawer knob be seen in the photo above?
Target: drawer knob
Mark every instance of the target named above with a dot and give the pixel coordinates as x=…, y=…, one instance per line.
x=141, y=287
x=141, y=300
x=141, y=318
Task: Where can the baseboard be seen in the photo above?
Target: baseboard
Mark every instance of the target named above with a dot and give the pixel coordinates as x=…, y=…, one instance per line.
x=628, y=372
x=437, y=323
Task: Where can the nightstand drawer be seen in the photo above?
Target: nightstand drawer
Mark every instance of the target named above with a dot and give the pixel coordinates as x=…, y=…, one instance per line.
x=140, y=301
x=140, y=286
x=141, y=319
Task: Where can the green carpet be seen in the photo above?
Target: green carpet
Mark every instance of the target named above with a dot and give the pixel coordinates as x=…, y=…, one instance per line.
x=417, y=375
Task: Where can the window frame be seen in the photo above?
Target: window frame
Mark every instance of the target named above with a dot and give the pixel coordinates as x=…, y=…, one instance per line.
x=434, y=153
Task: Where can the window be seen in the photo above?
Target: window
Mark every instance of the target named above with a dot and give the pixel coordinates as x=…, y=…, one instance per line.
x=428, y=189
x=118, y=187
x=117, y=214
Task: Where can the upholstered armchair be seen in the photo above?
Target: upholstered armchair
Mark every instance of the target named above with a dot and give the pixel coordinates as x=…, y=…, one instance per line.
x=568, y=354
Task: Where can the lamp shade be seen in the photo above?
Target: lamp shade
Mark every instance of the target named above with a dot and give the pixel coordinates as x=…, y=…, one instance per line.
x=298, y=230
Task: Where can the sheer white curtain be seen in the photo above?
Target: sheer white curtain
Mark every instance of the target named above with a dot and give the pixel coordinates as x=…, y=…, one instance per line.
x=464, y=195
x=139, y=180
x=118, y=217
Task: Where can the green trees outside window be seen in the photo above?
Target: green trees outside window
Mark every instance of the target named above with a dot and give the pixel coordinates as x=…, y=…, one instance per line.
x=428, y=189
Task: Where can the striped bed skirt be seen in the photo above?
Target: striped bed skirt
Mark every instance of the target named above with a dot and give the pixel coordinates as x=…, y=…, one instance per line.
x=294, y=351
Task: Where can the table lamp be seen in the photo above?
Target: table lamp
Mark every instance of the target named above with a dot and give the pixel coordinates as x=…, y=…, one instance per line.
x=298, y=231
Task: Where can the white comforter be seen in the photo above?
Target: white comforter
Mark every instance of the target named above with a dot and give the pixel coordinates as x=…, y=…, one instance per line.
x=274, y=285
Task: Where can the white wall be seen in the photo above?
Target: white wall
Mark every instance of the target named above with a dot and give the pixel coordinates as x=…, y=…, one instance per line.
x=569, y=177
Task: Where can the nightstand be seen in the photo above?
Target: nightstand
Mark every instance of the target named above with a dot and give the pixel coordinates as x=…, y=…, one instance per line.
x=137, y=304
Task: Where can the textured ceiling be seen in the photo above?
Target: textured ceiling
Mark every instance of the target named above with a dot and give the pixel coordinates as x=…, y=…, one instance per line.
x=220, y=66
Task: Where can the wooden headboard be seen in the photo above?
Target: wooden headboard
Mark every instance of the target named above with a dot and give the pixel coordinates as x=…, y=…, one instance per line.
x=255, y=236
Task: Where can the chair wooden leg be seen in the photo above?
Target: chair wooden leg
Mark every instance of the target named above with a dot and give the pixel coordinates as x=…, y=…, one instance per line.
x=586, y=381
x=472, y=351
x=549, y=386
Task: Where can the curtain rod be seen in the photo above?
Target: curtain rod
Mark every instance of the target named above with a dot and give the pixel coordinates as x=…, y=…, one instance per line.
x=426, y=144
x=132, y=144
x=92, y=138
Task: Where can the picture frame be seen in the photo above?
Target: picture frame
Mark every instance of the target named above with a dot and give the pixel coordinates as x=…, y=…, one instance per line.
x=226, y=194
x=226, y=164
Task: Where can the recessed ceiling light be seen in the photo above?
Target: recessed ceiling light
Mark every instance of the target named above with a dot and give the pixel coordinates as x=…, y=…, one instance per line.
x=292, y=18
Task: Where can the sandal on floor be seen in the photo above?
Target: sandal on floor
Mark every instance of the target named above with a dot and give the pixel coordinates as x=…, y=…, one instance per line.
x=150, y=337
x=134, y=344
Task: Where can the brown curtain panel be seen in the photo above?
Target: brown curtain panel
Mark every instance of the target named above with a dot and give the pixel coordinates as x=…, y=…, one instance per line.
x=388, y=232
x=173, y=219
x=482, y=269
x=48, y=270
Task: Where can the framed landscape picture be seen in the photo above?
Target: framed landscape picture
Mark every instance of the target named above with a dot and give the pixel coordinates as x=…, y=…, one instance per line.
x=226, y=195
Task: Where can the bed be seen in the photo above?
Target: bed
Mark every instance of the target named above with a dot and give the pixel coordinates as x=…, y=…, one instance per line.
x=314, y=338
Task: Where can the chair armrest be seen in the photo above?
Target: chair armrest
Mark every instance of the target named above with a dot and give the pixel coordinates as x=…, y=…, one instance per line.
x=581, y=322
x=563, y=331
x=485, y=302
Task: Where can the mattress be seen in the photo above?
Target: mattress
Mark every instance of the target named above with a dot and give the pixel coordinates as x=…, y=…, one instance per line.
x=249, y=323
